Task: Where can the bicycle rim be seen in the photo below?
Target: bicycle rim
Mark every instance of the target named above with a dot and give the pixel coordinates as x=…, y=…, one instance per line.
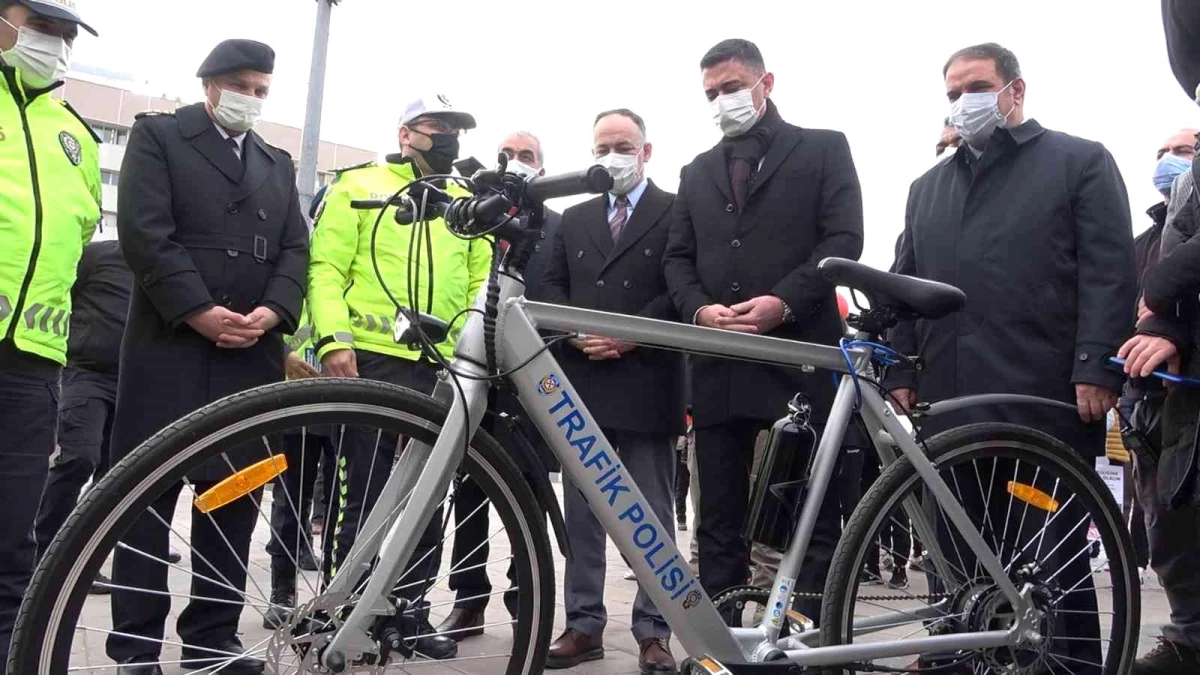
x=1041, y=502
x=47, y=637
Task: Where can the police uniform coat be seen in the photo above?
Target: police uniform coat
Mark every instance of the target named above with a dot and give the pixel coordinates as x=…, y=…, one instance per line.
x=1038, y=233
x=642, y=391
x=200, y=227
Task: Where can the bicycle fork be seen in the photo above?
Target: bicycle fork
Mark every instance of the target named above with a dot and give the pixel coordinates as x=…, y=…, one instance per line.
x=420, y=478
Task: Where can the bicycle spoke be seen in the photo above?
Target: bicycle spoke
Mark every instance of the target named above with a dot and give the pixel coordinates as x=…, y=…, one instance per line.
x=225, y=583
x=228, y=545
x=226, y=586
x=147, y=591
x=279, y=483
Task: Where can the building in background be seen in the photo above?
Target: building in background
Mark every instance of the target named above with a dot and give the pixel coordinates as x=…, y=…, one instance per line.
x=110, y=108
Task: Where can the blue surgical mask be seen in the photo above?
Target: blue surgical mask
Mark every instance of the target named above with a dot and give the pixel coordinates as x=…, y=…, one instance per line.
x=1168, y=169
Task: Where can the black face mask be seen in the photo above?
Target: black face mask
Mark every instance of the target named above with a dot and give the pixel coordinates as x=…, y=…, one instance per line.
x=441, y=155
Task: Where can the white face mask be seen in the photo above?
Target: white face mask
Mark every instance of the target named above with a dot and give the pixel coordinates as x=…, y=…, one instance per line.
x=42, y=59
x=977, y=115
x=522, y=169
x=624, y=171
x=237, y=112
x=735, y=113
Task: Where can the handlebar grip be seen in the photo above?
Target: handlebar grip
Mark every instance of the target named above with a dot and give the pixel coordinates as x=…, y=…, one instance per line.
x=432, y=210
x=368, y=204
x=489, y=209
x=589, y=181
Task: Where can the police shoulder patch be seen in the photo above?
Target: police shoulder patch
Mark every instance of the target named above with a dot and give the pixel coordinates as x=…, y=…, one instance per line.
x=71, y=147
x=153, y=113
x=356, y=166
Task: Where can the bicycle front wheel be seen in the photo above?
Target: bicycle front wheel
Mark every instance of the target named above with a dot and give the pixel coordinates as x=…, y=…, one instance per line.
x=127, y=520
x=1045, y=514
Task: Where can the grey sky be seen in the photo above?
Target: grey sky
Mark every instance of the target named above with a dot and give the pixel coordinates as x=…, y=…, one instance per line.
x=869, y=68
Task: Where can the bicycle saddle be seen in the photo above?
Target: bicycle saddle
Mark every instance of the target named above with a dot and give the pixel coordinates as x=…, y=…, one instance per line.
x=909, y=297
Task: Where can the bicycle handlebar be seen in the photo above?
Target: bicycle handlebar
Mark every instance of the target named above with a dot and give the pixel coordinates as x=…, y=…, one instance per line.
x=594, y=179
x=495, y=196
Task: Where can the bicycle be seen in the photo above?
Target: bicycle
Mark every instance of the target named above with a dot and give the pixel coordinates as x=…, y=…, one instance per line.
x=984, y=612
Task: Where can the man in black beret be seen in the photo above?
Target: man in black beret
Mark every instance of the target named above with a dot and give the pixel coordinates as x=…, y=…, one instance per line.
x=211, y=225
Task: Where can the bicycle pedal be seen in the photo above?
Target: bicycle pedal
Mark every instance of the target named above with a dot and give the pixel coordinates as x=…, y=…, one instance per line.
x=704, y=664
x=798, y=622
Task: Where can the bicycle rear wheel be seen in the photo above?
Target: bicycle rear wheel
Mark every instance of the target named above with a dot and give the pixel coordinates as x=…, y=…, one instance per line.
x=57, y=628
x=1034, y=501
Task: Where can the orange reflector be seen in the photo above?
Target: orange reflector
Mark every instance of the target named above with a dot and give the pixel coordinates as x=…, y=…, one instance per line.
x=241, y=483
x=712, y=666
x=1033, y=496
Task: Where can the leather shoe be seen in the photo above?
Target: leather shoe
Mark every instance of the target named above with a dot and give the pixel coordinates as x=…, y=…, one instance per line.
x=138, y=666
x=654, y=656
x=433, y=646
x=573, y=648
x=200, y=659
x=462, y=623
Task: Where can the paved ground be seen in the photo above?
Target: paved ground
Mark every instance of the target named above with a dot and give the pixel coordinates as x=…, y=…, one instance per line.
x=621, y=655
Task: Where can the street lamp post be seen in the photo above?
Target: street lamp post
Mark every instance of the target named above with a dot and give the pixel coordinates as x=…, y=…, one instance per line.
x=310, y=140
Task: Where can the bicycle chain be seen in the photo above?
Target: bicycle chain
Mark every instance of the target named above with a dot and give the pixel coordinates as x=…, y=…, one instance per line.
x=876, y=598
x=753, y=592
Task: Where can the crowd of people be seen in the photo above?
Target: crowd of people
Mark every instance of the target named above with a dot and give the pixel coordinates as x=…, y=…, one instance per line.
x=216, y=280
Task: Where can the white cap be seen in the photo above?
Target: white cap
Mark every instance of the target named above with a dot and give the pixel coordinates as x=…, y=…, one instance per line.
x=437, y=105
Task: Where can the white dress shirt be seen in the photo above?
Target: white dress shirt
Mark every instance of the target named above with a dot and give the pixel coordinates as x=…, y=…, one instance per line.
x=238, y=140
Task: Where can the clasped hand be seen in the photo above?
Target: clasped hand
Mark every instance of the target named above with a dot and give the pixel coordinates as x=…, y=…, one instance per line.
x=230, y=330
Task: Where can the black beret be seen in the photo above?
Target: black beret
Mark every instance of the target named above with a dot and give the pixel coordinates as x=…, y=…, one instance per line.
x=233, y=55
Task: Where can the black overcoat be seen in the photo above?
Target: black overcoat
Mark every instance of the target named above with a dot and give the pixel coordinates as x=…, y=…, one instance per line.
x=1038, y=233
x=804, y=205
x=199, y=227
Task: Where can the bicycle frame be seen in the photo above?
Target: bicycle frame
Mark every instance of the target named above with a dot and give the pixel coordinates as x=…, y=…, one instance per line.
x=588, y=459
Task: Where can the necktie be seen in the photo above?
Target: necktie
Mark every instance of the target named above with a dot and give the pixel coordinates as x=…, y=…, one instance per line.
x=616, y=222
x=234, y=147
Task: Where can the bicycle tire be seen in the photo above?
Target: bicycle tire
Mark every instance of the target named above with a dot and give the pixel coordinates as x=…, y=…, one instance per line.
x=958, y=443
x=42, y=641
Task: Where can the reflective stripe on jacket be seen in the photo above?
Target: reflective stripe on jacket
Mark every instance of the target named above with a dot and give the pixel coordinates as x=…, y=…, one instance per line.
x=349, y=307
x=49, y=207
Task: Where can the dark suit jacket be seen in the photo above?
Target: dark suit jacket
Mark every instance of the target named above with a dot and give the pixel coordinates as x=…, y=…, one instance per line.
x=643, y=390
x=198, y=227
x=536, y=267
x=804, y=205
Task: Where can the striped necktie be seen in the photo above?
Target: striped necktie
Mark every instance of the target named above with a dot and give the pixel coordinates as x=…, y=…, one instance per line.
x=616, y=222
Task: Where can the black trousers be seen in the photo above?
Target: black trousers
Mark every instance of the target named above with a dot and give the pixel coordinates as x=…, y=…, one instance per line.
x=85, y=416
x=28, y=410
x=206, y=621
x=293, y=493
x=366, y=463
x=683, y=479
x=724, y=454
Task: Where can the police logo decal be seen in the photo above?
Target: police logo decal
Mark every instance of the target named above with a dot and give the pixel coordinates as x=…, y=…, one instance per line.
x=548, y=385
x=692, y=599
x=71, y=147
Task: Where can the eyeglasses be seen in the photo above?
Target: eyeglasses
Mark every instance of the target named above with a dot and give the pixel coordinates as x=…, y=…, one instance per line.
x=434, y=126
